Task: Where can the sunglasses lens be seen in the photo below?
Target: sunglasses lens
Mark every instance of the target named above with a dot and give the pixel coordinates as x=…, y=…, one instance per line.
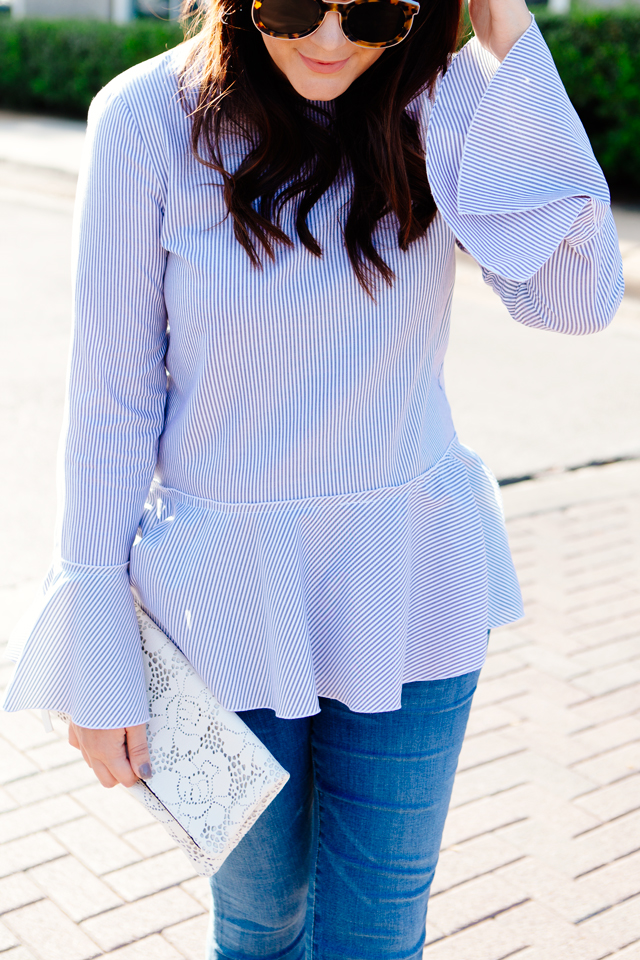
x=289, y=16
x=376, y=22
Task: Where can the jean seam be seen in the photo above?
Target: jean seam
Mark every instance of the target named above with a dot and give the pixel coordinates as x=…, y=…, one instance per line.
x=312, y=936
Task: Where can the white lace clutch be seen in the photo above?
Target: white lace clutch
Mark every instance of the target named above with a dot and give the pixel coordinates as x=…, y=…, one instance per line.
x=211, y=776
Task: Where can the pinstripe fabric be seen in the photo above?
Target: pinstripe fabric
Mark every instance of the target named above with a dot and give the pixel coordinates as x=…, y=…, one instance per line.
x=314, y=528
x=479, y=185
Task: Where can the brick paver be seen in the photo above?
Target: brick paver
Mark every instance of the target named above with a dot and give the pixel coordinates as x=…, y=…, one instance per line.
x=546, y=808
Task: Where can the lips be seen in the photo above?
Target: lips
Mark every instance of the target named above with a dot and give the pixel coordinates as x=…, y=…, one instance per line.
x=323, y=66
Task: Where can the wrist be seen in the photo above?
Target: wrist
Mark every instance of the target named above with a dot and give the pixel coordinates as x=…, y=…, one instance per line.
x=505, y=40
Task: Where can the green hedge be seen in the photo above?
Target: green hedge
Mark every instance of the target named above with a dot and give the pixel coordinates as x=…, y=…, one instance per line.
x=598, y=58
x=57, y=66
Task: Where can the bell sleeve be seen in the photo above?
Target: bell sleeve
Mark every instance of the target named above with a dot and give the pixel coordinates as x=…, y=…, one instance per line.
x=78, y=649
x=513, y=175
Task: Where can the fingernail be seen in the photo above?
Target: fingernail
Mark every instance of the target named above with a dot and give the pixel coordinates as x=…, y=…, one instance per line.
x=145, y=770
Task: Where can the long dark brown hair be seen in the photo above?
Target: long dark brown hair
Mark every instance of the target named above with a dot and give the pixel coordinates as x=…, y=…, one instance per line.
x=297, y=149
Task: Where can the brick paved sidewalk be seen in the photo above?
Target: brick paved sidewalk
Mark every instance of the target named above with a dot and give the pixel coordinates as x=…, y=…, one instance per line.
x=541, y=855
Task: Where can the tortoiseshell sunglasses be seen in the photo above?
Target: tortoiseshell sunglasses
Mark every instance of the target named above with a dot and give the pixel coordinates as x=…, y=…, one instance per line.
x=368, y=23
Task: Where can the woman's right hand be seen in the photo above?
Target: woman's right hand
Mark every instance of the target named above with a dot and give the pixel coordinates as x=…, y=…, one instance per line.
x=115, y=756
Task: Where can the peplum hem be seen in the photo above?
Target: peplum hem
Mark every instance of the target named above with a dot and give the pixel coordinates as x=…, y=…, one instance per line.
x=345, y=597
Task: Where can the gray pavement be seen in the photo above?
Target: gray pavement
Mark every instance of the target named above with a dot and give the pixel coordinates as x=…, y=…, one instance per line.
x=41, y=141
x=529, y=401
x=540, y=856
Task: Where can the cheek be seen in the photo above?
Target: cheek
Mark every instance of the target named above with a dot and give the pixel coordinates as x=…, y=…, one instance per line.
x=280, y=52
x=367, y=58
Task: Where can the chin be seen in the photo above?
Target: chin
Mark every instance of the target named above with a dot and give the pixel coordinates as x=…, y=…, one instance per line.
x=320, y=90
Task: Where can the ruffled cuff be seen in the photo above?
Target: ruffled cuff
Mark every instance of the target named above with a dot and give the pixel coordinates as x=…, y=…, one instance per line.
x=79, y=651
x=509, y=163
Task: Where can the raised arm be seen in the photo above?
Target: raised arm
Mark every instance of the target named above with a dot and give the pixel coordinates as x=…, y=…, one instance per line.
x=514, y=176
x=79, y=651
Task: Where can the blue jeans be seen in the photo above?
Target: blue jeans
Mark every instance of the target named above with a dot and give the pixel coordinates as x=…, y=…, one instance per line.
x=340, y=865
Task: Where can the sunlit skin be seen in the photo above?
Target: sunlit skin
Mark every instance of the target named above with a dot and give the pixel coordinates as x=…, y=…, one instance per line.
x=498, y=24
x=323, y=65
x=319, y=67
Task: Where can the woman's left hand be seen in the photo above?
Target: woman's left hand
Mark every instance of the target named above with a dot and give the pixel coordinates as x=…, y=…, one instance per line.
x=499, y=23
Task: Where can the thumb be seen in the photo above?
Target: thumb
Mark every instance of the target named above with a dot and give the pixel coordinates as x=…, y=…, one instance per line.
x=138, y=750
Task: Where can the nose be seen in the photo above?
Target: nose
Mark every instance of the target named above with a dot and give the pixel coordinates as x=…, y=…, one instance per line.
x=330, y=36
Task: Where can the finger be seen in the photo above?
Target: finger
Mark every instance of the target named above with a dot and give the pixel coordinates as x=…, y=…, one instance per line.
x=104, y=775
x=106, y=750
x=76, y=743
x=138, y=750
x=73, y=737
x=121, y=769
x=113, y=754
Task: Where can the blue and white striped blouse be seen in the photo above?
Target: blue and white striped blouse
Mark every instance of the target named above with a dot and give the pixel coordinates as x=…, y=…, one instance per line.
x=308, y=523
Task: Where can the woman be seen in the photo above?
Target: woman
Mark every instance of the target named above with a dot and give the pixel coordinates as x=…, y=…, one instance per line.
x=265, y=259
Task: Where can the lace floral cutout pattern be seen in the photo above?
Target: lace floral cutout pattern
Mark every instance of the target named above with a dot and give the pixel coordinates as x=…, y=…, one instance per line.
x=212, y=777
